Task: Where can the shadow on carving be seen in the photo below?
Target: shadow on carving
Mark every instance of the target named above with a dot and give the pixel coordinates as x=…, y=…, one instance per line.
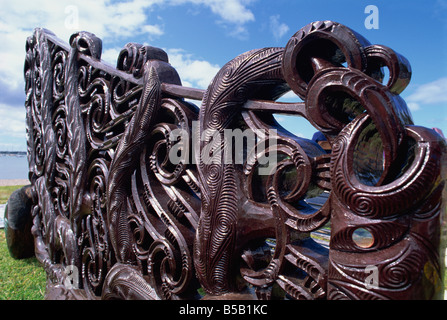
x=140, y=194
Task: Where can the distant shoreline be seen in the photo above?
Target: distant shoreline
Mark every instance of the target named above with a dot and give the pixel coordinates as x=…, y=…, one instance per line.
x=12, y=153
x=14, y=182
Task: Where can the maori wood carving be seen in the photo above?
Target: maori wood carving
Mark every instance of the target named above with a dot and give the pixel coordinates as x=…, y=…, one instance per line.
x=115, y=217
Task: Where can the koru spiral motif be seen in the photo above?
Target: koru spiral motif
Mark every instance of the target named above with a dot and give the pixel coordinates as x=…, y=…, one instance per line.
x=226, y=220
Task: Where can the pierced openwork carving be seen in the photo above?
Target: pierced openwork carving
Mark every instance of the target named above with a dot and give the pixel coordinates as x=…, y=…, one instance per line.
x=148, y=196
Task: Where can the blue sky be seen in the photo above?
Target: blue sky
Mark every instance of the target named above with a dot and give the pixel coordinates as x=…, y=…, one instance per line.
x=200, y=36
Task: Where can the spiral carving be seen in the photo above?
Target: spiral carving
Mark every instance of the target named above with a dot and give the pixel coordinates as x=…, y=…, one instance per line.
x=228, y=91
x=387, y=200
x=148, y=205
x=59, y=74
x=133, y=57
x=160, y=157
x=96, y=245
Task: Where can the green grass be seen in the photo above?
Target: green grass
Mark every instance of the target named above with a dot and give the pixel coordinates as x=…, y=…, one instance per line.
x=25, y=279
x=5, y=192
x=20, y=279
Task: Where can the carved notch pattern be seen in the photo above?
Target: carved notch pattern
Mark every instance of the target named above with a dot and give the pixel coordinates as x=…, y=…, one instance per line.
x=109, y=200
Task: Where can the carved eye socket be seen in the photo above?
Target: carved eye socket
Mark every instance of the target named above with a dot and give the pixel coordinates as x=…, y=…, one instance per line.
x=397, y=68
x=376, y=69
x=320, y=45
x=368, y=157
x=288, y=181
x=315, y=54
x=363, y=238
x=258, y=255
x=342, y=106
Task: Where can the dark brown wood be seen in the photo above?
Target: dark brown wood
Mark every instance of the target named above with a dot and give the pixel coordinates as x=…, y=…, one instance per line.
x=139, y=194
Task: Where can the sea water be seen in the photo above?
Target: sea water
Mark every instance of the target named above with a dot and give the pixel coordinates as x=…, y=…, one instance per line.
x=13, y=167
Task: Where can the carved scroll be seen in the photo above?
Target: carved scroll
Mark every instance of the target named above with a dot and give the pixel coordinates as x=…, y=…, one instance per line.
x=140, y=194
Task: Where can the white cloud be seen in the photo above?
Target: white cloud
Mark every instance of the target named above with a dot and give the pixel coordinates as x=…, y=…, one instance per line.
x=111, y=55
x=102, y=17
x=193, y=72
x=290, y=96
x=277, y=28
x=233, y=11
x=279, y=118
x=12, y=58
x=12, y=121
x=106, y=19
x=109, y=20
x=413, y=106
x=234, y=14
x=429, y=93
x=155, y=30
